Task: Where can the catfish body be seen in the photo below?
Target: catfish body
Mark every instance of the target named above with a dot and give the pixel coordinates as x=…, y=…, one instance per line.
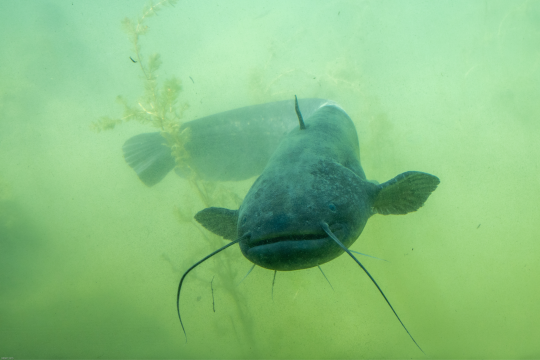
x=214, y=144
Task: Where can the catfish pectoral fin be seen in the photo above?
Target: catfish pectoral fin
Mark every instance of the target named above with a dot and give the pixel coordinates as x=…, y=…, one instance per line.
x=220, y=221
x=405, y=193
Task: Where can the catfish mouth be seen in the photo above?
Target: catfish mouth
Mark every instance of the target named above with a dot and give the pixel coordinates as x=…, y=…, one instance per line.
x=288, y=237
x=290, y=251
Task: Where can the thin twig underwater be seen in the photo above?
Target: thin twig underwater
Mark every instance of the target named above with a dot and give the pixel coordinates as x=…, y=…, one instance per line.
x=312, y=201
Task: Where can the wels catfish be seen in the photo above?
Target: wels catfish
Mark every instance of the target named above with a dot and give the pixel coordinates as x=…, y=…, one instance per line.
x=312, y=200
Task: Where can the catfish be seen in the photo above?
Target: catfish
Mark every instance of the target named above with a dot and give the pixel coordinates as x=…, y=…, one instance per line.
x=312, y=200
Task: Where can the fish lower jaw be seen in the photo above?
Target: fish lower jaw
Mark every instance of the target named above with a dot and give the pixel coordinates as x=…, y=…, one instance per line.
x=282, y=238
x=292, y=253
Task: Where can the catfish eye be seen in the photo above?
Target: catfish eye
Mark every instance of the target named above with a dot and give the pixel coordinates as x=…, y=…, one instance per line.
x=332, y=207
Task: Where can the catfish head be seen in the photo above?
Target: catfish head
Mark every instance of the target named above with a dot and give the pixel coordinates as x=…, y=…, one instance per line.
x=314, y=176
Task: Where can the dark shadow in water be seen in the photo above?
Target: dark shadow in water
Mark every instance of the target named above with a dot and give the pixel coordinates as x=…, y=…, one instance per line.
x=21, y=242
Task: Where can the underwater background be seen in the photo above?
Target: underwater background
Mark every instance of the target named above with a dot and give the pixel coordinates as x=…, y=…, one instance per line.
x=90, y=257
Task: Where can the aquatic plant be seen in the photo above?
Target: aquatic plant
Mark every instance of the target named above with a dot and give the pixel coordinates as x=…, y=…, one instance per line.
x=159, y=107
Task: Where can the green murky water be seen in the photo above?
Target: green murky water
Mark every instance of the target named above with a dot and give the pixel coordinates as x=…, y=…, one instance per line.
x=90, y=258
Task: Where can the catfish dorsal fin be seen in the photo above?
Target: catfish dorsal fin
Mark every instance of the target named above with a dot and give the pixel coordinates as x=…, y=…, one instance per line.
x=220, y=221
x=299, y=114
